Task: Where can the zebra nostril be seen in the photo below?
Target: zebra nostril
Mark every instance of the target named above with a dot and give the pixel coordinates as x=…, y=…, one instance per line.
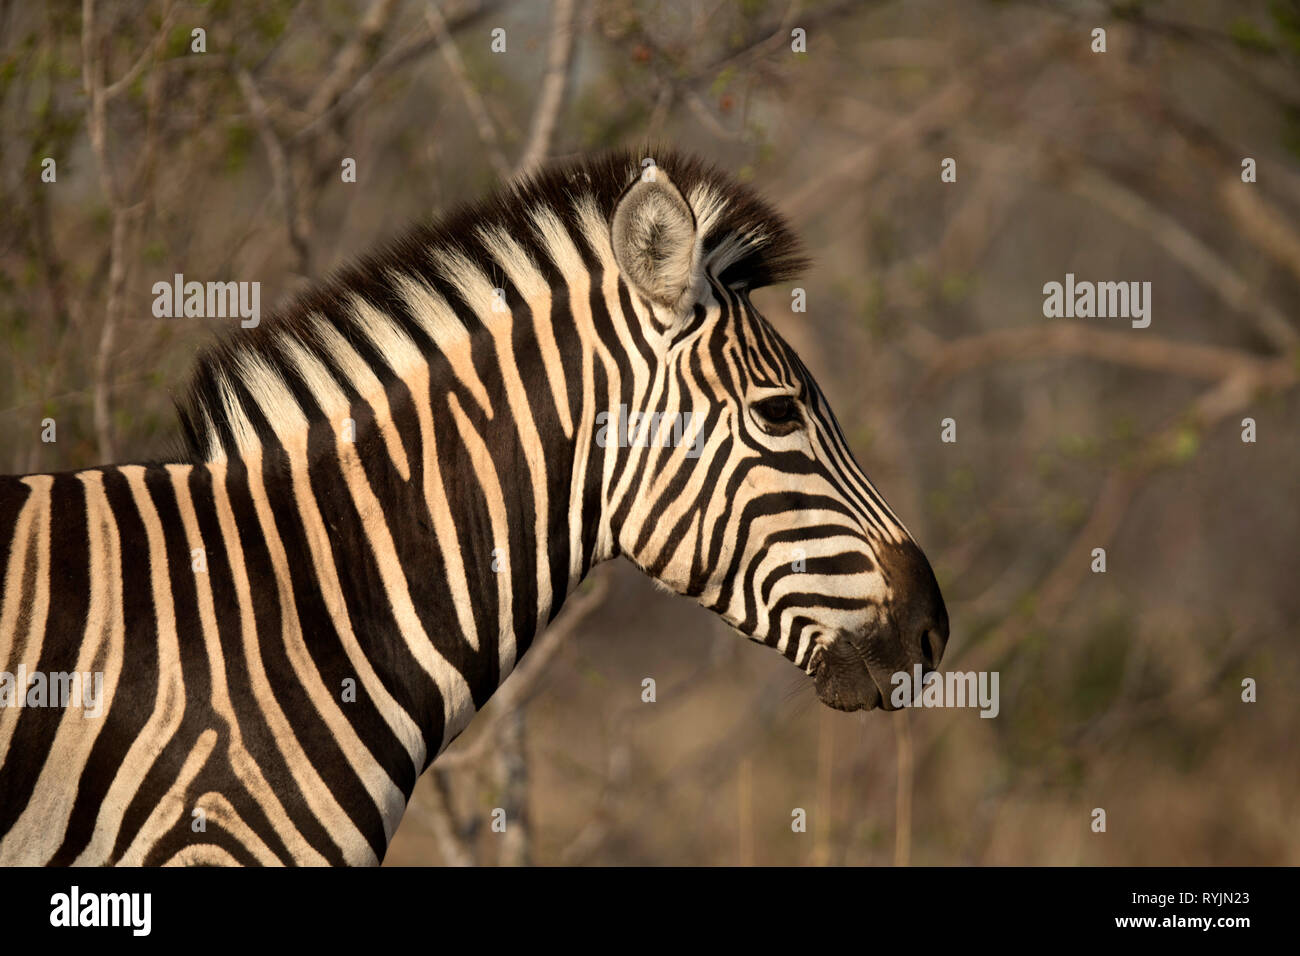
x=919, y=615
x=932, y=645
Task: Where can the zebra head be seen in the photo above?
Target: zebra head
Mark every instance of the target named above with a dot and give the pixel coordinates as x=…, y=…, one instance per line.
x=734, y=483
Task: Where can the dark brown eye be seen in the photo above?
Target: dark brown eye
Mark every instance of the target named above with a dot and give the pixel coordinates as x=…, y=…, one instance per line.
x=779, y=411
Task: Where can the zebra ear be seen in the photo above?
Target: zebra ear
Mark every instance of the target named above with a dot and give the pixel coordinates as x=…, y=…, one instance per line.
x=653, y=235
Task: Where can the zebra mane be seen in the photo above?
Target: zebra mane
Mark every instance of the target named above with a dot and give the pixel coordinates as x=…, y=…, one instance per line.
x=745, y=242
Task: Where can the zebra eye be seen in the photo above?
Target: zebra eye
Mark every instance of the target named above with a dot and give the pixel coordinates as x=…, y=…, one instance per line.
x=780, y=413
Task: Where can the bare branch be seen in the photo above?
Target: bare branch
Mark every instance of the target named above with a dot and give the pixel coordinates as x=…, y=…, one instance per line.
x=939, y=111
x=1027, y=343
x=92, y=77
x=295, y=221
x=411, y=49
x=659, y=115
x=108, y=331
x=775, y=40
x=555, y=84
x=1260, y=223
x=1200, y=260
x=92, y=82
x=702, y=112
x=487, y=132
x=1230, y=396
x=523, y=684
x=512, y=795
x=435, y=809
x=903, y=797
x=149, y=56
x=349, y=61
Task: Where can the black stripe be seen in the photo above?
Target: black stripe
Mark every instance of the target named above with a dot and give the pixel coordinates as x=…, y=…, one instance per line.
x=225, y=603
x=259, y=739
x=197, y=714
x=137, y=686
x=69, y=580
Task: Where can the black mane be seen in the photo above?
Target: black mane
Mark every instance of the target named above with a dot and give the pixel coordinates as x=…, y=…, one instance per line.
x=763, y=251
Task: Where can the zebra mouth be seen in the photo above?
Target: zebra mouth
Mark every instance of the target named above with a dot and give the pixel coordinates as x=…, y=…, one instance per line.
x=843, y=679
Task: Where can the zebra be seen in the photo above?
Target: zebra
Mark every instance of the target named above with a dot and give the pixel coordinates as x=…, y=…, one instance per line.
x=392, y=484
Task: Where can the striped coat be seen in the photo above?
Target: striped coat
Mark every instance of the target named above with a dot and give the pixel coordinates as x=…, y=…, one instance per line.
x=389, y=489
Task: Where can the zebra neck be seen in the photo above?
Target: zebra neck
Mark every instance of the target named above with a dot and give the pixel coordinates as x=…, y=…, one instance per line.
x=439, y=535
x=434, y=473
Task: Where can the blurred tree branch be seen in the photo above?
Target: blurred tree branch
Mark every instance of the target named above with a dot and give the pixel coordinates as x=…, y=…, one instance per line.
x=946, y=359
x=941, y=110
x=487, y=132
x=124, y=213
x=524, y=683
x=1183, y=247
x=405, y=52
x=499, y=740
x=350, y=61
x=297, y=225
x=903, y=798
x=437, y=810
x=555, y=84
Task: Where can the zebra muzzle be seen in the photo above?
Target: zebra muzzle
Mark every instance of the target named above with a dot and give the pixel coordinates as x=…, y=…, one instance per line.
x=859, y=671
x=843, y=678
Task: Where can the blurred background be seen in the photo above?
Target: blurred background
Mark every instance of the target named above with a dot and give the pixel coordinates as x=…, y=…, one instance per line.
x=1120, y=691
